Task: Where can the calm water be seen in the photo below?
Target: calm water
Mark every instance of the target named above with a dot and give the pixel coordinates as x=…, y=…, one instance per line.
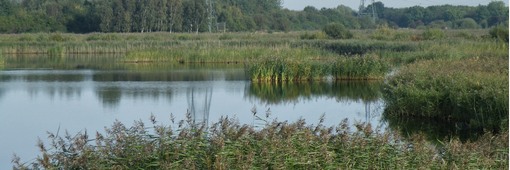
x=38, y=95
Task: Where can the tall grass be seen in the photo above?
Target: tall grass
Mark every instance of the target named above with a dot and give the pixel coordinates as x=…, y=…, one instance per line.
x=2, y=61
x=338, y=68
x=277, y=145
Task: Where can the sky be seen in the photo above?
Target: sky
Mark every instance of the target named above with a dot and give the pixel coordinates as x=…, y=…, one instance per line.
x=354, y=4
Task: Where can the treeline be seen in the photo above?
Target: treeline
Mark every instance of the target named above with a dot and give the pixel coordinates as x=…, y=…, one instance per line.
x=445, y=16
x=83, y=16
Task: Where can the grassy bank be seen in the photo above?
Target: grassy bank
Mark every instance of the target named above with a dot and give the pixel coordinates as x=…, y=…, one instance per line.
x=276, y=145
x=269, y=57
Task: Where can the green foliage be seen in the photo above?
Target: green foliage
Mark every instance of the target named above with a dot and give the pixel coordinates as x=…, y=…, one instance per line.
x=433, y=34
x=337, y=31
x=191, y=16
x=500, y=33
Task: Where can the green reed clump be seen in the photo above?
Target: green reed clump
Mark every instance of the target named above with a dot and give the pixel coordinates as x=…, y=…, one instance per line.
x=228, y=144
x=2, y=61
x=57, y=50
x=340, y=68
x=288, y=70
x=473, y=91
x=359, y=67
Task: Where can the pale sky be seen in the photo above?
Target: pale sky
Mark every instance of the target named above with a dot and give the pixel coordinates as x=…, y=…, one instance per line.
x=354, y=4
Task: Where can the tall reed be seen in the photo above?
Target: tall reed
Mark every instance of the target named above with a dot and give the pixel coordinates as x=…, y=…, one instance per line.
x=277, y=145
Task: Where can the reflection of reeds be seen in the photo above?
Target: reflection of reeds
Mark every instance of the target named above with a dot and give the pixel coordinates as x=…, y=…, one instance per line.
x=274, y=93
x=434, y=129
x=277, y=145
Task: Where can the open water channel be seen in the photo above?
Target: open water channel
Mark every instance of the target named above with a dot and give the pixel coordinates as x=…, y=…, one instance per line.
x=87, y=93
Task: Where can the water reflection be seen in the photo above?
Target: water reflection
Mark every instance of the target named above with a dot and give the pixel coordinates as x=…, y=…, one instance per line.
x=277, y=93
x=199, y=104
x=434, y=130
x=68, y=62
x=110, y=96
x=34, y=101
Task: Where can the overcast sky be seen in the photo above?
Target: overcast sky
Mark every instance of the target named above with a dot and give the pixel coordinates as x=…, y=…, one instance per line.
x=354, y=4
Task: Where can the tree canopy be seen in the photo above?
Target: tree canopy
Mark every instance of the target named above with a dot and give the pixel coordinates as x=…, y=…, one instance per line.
x=83, y=16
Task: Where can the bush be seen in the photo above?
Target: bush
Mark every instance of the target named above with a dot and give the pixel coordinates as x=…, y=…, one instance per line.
x=466, y=23
x=337, y=31
x=433, y=34
x=500, y=33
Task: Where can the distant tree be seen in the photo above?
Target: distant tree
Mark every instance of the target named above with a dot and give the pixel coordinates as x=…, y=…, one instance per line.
x=337, y=31
x=174, y=15
x=498, y=13
x=466, y=23
x=106, y=16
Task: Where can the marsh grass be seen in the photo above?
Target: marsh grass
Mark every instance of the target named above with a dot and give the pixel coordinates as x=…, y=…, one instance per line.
x=473, y=91
x=337, y=68
x=228, y=144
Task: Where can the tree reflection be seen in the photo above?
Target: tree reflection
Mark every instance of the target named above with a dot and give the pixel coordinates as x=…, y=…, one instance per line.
x=199, y=104
x=109, y=96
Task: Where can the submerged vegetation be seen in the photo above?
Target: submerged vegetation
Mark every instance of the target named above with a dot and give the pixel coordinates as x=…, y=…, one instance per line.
x=275, y=145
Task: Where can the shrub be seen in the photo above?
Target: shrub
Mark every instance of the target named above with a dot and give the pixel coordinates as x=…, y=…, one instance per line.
x=337, y=31
x=499, y=33
x=433, y=34
x=466, y=23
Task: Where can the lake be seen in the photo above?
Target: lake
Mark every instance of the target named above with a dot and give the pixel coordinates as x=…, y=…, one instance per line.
x=87, y=93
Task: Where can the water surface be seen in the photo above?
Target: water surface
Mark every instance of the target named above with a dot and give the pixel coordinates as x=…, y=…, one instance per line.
x=89, y=95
